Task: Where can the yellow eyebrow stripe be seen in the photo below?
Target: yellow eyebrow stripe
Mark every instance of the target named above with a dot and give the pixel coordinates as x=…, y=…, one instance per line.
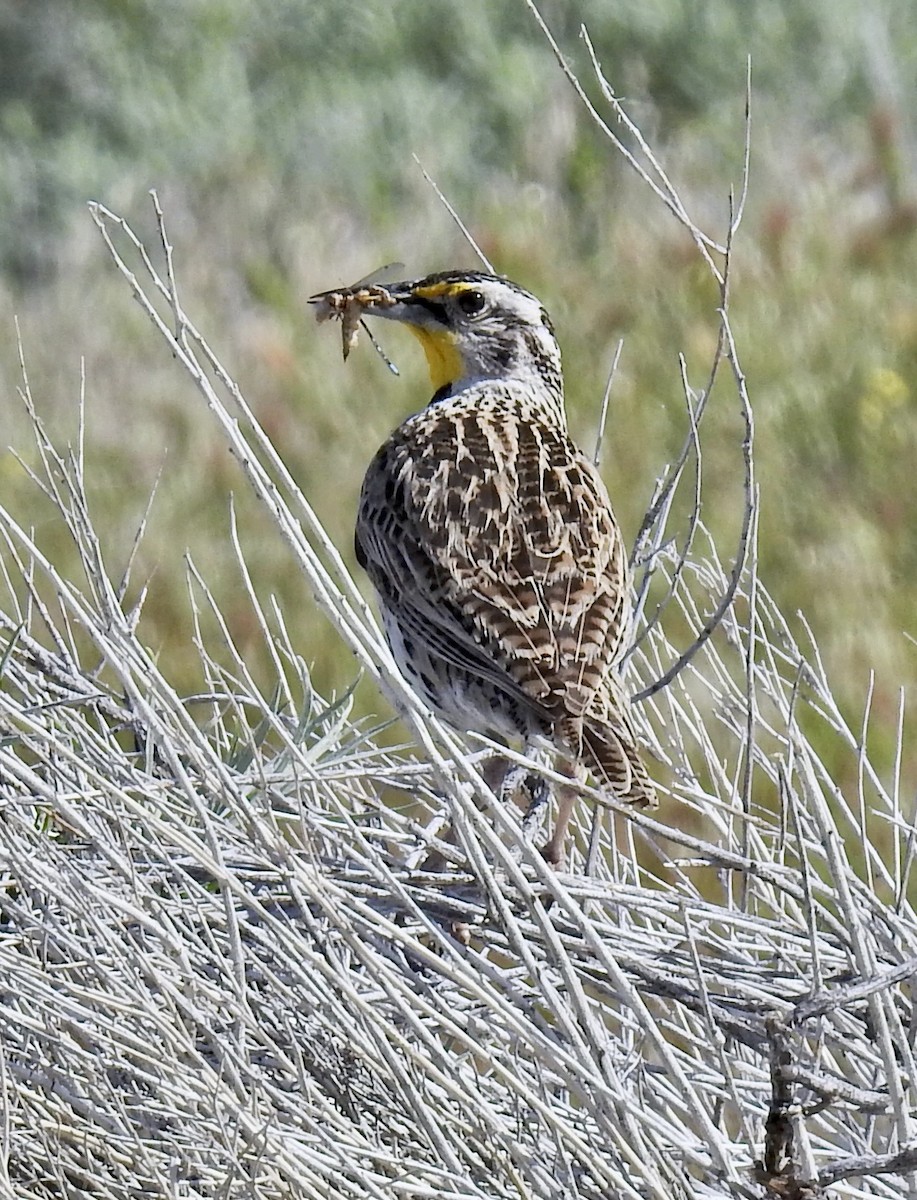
x=436, y=291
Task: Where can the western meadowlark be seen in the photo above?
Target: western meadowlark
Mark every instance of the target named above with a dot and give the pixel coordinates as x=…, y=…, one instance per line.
x=489, y=536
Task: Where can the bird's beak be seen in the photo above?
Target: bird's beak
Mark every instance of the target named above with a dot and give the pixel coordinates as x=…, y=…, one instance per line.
x=414, y=302
x=398, y=302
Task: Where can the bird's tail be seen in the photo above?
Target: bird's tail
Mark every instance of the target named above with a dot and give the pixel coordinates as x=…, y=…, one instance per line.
x=610, y=753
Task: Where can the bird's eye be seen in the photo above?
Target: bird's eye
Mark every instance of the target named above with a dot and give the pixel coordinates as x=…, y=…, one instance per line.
x=471, y=303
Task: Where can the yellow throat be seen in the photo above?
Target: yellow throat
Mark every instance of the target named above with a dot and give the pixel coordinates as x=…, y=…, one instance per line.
x=443, y=358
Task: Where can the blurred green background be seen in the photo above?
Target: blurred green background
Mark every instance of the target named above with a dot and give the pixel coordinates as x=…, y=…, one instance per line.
x=280, y=133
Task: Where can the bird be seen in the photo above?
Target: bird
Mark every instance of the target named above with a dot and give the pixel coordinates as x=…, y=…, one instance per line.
x=489, y=538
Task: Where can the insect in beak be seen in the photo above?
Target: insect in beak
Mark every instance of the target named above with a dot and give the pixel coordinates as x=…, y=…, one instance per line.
x=348, y=305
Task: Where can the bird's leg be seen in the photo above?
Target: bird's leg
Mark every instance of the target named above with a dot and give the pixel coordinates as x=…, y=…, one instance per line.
x=553, y=849
x=525, y=789
x=512, y=783
x=537, y=791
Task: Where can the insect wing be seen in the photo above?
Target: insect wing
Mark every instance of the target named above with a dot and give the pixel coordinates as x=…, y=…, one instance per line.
x=390, y=273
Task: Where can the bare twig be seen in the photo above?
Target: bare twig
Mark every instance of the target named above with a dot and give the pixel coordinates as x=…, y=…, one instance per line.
x=903, y=1162
x=465, y=231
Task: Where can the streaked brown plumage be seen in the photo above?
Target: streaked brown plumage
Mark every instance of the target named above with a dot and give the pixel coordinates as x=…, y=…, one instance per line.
x=490, y=539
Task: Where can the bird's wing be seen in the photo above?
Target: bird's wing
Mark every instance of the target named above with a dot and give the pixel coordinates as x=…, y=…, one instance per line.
x=497, y=535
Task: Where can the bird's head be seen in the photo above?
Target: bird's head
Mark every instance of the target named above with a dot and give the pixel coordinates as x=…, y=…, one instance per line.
x=474, y=327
